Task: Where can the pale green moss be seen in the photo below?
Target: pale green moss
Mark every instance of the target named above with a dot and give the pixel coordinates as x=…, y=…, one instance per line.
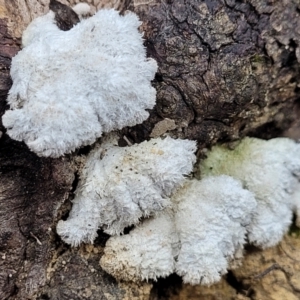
x=268, y=169
x=222, y=160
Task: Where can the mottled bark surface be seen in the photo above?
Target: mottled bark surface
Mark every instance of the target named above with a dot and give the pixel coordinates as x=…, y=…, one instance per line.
x=226, y=69
x=31, y=191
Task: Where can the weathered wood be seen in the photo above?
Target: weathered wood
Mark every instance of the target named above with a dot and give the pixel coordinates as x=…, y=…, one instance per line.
x=226, y=69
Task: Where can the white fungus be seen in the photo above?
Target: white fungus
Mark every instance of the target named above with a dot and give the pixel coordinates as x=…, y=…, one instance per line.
x=245, y=195
x=71, y=86
x=211, y=218
x=269, y=169
x=118, y=186
x=147, y=252
x=82, y=9
x=198, y=238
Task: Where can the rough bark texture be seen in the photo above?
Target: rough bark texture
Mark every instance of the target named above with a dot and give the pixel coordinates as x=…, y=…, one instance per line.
x=226, y=69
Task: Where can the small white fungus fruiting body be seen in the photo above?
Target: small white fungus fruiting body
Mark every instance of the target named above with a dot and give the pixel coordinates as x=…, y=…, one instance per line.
x=211, y=219
x=118, y=186
x=197, y=239
x=82, y=9
x=269, y=169
x=147, y=252
x=71, y=86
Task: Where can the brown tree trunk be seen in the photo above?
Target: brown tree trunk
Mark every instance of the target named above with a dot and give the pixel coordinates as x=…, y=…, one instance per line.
x=227, y=69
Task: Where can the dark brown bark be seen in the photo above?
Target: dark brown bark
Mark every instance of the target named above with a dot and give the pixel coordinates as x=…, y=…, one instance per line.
x=226, y=69
x=65, y=16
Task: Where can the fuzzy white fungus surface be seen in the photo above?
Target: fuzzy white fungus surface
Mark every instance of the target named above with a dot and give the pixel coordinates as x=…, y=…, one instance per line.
x=211, y=218
x=147, y=252
x=71, y=86
x=197, y=239
x=82, y=9
x=269, y=169
x=119, y=186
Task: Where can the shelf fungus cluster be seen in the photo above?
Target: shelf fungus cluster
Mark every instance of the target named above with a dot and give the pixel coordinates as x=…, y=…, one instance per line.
x=120, y=185
x=196, y=228
x=71, y=86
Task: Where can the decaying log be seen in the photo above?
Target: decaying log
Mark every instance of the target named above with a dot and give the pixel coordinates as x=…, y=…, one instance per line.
x=227, y=69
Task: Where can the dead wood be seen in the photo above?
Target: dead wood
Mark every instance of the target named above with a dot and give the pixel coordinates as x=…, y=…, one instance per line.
x=226, y=69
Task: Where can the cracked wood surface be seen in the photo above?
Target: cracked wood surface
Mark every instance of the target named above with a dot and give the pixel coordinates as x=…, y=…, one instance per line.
x=226, y=69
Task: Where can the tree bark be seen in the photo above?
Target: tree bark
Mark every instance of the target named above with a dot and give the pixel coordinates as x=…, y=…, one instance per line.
x=227, y=69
